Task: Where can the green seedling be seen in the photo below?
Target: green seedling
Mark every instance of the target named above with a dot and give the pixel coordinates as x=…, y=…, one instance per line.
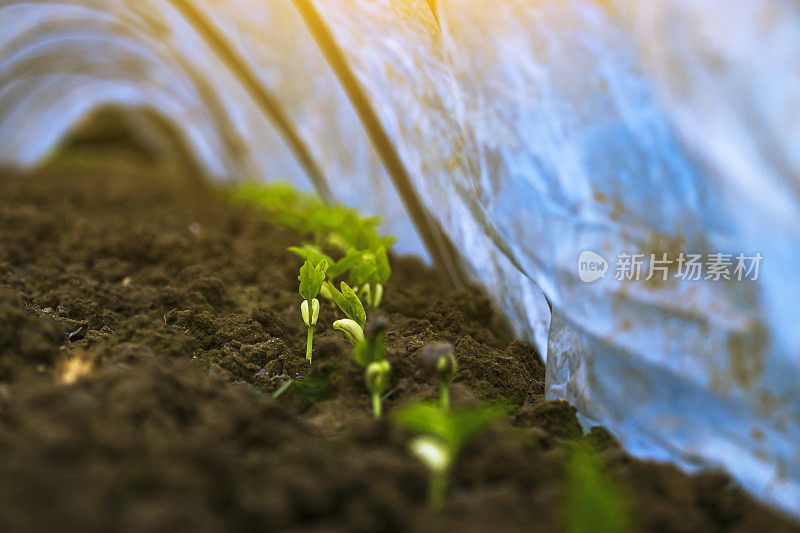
x=369, y=270
x=370, y=353
x=336, y=226
x=311, y=279
x=441, y=436
x=347, y=300
x=315, y=256
x=594, y=502
x=438, y=360
x=376, y=377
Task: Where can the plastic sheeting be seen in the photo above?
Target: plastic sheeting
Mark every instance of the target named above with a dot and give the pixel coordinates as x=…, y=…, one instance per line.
x=534, y=131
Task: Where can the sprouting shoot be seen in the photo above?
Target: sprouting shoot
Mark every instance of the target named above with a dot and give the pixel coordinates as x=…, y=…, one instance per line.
x=370, y=353
x=438, y=360
x=311, y=279
x=440, y=436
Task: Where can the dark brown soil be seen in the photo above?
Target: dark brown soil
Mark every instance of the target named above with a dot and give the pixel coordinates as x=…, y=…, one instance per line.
x=158, y=414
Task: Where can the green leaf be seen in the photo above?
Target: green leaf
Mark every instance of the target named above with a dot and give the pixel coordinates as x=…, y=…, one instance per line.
x=363, y=236
x=348, y=302
x=355, y=309
x=339, y=226
x=383, y=270
x=424, y=418
x=344, y=264
x=594, y=502
x=366, y=351
x=282, y=204
x=366, y=266
x=362, y=353
x=311, y=278
x=387, y=241
x=454, y=427
x=311, y=253
x=466, y=423
x=363, y=267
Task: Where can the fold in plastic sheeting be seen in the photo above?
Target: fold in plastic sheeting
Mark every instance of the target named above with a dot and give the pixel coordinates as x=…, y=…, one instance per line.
x=533, y=131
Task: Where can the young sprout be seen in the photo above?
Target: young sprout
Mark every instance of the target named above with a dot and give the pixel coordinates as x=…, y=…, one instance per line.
x=375, y=295
x=369, y=269
x=352, y=331
x=351, y=306
x=376, y=377
x=370, y=352
x=441, y=435
x=438, y=360
x=311, y=279
x=436, y=456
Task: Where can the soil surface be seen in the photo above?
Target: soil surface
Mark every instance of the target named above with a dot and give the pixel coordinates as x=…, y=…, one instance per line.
x=145, y=323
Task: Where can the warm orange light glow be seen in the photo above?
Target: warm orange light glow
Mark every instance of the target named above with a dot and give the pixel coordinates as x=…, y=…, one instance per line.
x=78, y=365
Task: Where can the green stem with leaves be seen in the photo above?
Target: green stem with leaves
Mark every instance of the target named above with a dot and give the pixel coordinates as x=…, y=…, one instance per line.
x=311, y=278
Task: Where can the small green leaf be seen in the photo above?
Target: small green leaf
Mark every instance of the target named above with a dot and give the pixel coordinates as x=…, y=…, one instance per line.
x=363, y=268
x=355, y=309
x=311, y=253
x=336, y=294
x=311, y=279
x=348, y=302
x=387, y=241
x=594, y=502
x=454, y=427
x=363, y=234
x=344, y=264
x=383, y=270
x=426, y=419
x=362, y=353
x=466, y=423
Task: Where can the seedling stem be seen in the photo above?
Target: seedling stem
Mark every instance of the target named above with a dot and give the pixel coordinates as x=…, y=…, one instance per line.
x=309, y=342
x=437, y=489
x=444, y=395
x=376, y=405
x=439, y=360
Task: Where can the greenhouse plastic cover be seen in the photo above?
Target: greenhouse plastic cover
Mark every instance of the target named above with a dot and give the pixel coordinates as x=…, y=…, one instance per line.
x=537, y=133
